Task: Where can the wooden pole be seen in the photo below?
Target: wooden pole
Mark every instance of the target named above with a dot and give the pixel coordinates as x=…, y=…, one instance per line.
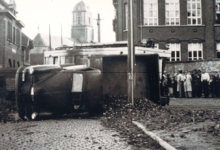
x=131, y=53
x=49, y=39
x=98, y=24
x=61, y=36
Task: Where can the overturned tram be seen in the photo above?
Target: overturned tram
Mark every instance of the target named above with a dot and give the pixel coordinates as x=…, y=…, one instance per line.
x=63, y=88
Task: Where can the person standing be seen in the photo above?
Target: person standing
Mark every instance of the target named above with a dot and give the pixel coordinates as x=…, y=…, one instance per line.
x=174, y=83
x=212, y=85
x=188, y=84
x=217, y=88
x=170, y=83
x=180, y=87
x=205, y=83
x=197, y=84
x=193, y=75
x=184, y=83
x=200, y=83
x=164, y=87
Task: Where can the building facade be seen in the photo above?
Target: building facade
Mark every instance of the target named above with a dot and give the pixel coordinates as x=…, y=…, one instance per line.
x=10, y=36
x=190, y=29
x=82, y=28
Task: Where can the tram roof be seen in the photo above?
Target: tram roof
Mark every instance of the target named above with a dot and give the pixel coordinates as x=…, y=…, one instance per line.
x=108, y=51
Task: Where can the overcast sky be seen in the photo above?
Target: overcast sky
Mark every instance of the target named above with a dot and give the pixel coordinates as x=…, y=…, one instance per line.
x=34, y=13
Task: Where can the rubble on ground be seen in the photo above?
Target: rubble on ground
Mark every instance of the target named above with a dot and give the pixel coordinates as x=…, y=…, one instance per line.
x=5, y=108
x=119, y=115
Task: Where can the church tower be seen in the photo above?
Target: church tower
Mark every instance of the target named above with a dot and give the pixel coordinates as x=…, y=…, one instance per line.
x=82, y=28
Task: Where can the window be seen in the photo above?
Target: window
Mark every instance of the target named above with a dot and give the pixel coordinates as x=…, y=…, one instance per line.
x=172, y=12
x=150, y=12
x=174, y=48
x=126, y=15
x=27, y=55
x=9, y=31
x=14, y=35
x=194, y=12
x=13, y=63
x=79, y=19
x=9, y=63
x=55, y=60
x=195, y=51
x=217, y=5
x=18, y=37
x=74, y=21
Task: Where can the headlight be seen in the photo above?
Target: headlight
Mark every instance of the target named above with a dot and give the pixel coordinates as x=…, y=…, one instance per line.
x=32, y=90
x=31, y=70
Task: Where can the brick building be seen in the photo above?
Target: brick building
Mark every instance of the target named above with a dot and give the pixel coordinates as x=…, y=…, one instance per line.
x=12, y=49
x=189, y=28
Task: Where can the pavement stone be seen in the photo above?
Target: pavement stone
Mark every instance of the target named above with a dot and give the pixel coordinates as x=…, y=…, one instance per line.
x=63, y=134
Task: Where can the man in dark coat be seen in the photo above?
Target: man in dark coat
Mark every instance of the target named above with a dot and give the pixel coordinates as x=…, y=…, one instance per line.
x=197, y=84
x=217, y=85
x=193, y=74
x=212, y=85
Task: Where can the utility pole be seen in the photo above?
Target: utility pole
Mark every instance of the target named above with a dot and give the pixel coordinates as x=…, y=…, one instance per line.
x=131, y=53
x=49, y=39
x=98, y=24
x=61, y=36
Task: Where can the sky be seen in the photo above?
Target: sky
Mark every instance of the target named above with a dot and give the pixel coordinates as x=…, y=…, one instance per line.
x=42, y=13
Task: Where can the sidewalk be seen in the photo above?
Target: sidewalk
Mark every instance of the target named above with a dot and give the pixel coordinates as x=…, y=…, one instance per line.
x=211, y=103
x=188, y=123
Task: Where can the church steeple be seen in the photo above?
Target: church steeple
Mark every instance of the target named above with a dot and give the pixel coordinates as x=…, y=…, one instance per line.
x=82, y=28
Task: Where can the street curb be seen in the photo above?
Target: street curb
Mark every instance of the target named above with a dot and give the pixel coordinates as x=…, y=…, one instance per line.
x=162, y=143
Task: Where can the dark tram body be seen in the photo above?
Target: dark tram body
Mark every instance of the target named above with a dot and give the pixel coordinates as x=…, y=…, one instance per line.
x=57, y=89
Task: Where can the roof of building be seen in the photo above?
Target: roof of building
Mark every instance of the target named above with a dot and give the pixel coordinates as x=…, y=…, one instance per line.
x=41, y=42
x=81, y=6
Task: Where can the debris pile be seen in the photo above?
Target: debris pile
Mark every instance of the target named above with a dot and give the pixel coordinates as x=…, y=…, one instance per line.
x=6, y=107
x=119, y=115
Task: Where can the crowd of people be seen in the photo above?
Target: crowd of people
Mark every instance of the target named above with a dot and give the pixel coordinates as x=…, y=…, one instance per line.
x=191, y=84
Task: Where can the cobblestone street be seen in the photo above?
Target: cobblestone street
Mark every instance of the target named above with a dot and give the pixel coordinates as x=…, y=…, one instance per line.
x=63, y=134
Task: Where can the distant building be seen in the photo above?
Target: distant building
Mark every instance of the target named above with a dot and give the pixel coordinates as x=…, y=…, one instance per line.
x=41, y=43
x=81, y=32
x=189, y=28
x=12, y=48
x=82, y=28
